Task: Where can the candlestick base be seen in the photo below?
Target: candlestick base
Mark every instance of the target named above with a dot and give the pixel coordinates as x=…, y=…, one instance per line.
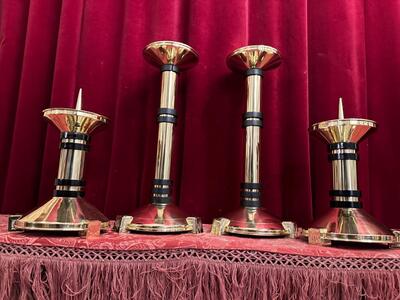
x=352, y=225
x=62, y=214
x=251, y=222
x=163, y=219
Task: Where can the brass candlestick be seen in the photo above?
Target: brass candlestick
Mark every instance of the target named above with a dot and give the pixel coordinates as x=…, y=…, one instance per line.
x=67, y=210
x=251, y=219
x=347, y=221
x=161, y=215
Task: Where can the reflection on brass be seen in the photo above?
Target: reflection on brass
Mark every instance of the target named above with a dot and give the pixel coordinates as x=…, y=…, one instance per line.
x=125, y=221
x=67, y=210
x=121, y=222
x=251, y=219
x=396, y=234
x=219, y=225
x=347, y=221
x=161, y=215
x=291, y=228
x=195, y=223
x=11, y=222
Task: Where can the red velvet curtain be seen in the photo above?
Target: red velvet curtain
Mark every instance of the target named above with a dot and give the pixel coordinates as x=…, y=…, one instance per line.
x=49, y=48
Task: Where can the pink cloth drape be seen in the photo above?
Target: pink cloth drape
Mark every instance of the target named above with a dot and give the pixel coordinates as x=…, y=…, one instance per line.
x=189, y=266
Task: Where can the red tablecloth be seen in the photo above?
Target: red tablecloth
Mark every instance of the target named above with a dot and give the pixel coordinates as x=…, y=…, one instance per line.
x=202, y=266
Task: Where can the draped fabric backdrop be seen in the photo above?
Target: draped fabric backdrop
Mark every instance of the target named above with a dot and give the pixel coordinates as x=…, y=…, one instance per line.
x=49, y=48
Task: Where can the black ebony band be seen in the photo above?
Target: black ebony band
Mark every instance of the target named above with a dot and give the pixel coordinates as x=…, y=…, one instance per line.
x=346, y=204
x=253, y=114
x=161, y=194
x=249, y=194
x=250, y=198
x=160, y=200
x=252, y=118
x=343, y=145
x=162, y=182
x=170, y=67
x=252, y=122
x=166, y=119
x=343, y=156
x=75, y=136
x=71, y=194
x=250, y=203
x=167, y=111
x=164, y=191
x=255, y=71
x=69, y=182
x=250, y=185
x=74, y=146
x=345, y=193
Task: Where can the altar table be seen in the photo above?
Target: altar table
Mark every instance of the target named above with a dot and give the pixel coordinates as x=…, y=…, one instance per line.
x=190, y=266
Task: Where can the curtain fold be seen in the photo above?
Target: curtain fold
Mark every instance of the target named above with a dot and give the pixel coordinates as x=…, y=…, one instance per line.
x=50, y=48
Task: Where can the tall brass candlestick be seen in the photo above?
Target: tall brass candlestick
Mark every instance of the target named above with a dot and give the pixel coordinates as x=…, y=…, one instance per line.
x=347, y=221
x=67, y=210
x=251, y=219
x=161, y=215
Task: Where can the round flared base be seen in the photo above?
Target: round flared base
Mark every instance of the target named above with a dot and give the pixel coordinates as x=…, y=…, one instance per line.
x=255, y=231
x=62, y=214
x=252, y=222
x=163, y=219
x=159, y=228
x=352, y=225
x=54, y=226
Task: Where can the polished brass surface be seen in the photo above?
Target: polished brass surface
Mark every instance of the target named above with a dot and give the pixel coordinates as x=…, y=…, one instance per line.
x=252, y=148
x=67, y=213
x=11, y=222
x=396, y=234
x=162, y=219
x=72, y=120
x=252, y=221
x=353, y=225
x=291, y=229
x=170, y=52
x=62, y=214
x=344, y=130
x=347, y=224
x=166, y=218
x=254, y=56
x=219, y=225
x=344, y=174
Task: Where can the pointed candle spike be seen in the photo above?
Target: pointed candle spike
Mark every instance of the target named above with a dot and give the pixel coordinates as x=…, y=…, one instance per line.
x=341, y=113
x=79, y=100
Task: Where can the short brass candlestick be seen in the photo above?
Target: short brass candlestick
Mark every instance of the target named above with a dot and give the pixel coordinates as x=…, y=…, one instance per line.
x=347, y=221
x=251, y=219
x=67, y=210
x=161, y=215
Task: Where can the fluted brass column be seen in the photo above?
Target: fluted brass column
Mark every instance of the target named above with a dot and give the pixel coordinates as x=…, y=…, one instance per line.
x=161, y=215
x=67, y=210
x=251, y=219
x=346, y=221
